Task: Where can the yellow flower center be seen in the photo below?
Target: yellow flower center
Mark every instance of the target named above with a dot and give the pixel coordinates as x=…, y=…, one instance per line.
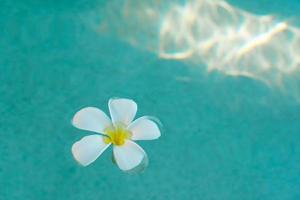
x=116, y=135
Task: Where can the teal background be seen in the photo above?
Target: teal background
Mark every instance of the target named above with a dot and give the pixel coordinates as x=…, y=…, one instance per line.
x=222, y=137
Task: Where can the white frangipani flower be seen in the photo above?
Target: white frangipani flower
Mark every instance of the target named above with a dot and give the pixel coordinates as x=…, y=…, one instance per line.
x=120, y=131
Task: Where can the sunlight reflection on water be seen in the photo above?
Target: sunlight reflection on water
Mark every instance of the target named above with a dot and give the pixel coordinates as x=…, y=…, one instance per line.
x=213, y=32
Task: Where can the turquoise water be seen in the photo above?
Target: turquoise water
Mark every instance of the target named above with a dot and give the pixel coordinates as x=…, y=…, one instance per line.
x=223, y=137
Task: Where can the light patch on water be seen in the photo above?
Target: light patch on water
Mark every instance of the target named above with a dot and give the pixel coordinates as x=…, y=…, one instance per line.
x=213, y=32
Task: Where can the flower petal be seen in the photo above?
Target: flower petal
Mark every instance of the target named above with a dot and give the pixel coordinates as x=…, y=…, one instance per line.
x=144, y=128
x=129, y=155
x=139, y=168
x=91, y=119
x=88, y=149
x=122, y=110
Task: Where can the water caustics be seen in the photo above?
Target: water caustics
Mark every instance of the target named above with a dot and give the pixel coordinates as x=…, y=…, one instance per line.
x=212, y=32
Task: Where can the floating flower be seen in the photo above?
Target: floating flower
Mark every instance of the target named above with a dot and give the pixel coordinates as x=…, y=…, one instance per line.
x=121, y=132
